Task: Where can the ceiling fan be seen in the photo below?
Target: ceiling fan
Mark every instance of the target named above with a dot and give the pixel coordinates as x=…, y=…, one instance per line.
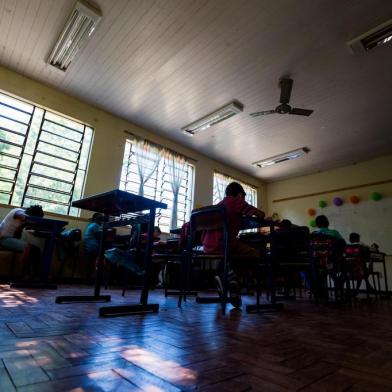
x=286, y=86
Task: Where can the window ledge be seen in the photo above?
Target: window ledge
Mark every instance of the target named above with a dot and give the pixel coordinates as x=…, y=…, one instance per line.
x=50, y=214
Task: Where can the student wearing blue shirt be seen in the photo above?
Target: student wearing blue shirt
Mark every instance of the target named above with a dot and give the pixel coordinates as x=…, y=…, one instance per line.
x=322, y=223
x=92, y=233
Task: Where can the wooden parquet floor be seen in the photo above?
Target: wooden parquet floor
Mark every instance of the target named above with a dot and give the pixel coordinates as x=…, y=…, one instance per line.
x=49, y=347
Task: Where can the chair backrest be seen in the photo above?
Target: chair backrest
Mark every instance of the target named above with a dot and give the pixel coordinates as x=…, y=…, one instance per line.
x=357, y=251
x=209, y=218
x=291, y=245
x=206, y=219
x=328, y=249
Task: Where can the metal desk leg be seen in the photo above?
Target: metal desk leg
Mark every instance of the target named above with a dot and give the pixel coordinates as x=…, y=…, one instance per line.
x=144, y=306
x=273, y=305
x=387, y=294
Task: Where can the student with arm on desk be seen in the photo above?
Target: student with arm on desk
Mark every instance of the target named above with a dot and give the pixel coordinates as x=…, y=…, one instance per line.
x=10, y=230
x=212, y=240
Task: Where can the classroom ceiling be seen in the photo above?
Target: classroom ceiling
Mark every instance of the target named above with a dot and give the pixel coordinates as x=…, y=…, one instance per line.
x=165, y=63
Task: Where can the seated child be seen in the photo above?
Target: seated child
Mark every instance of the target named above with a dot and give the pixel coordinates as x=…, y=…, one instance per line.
x=322, y=223
x=10, y=231
x=285, y=224
x=91, y=234
x=212, y=240
x=355, y=239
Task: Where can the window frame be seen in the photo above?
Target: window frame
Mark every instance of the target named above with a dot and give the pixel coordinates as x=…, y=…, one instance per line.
x=33, y=140
x=231, y=179
x=155, y=186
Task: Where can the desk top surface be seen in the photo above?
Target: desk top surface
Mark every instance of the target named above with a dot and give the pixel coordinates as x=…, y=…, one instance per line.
x=117, y=202
x=252, y=222
x=33, y=221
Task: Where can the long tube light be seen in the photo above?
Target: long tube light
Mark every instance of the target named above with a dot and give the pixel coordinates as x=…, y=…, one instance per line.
x=77, y=31
x=377, y=36
x=282, y=157
x=213, y=118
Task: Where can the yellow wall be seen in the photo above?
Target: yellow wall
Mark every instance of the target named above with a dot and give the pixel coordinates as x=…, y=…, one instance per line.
x=374, y=227
x=109, y=139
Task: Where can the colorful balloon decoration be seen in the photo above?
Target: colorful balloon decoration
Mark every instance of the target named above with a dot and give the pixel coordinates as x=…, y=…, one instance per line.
x=338, y=201
x=312, y=223
x=312, y=212
x=322, y=203
x=376, y=196
x=354, y=199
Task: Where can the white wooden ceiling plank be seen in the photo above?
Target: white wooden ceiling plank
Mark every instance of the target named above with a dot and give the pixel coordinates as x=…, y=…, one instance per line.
x=24, y=35
x=100, y=71
x=215, y=58
x=34, y=36
x=143, y=33
x=51, y=28
x=5, y=27
x=103, y=37
x=155, y=49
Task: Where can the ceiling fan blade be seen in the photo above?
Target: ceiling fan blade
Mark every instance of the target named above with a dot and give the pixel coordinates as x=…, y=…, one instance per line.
x=301, y=112
x=263, y=113
x=285, y=90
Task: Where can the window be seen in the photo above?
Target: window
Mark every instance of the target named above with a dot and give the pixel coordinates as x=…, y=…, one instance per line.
x=43, y=157
x=158, y=181
x=220, y=183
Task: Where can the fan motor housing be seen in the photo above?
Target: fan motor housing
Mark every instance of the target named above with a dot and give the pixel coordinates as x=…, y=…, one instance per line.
x=283, y=108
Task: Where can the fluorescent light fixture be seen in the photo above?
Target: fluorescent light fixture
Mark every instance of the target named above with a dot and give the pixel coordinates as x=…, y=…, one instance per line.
x=378, y=36
x=287, y=156
x=213, y=118
x=80, y=26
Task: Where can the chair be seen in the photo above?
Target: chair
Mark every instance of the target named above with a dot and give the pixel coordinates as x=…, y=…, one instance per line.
x=170, y=256
x=359, y=267
x=291, y=254
x=204, y=219
x=68, y=247
x=327, y=265
x=209, y=218
x=13, y=260
x=18, y=234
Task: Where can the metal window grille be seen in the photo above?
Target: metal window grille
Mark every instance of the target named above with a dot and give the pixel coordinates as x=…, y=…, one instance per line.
x=158, y=187
x=43, y=156
x=220, y=183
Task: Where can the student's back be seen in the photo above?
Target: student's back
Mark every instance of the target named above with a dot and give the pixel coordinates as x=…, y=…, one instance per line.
x=236, y=207
x=323, y=227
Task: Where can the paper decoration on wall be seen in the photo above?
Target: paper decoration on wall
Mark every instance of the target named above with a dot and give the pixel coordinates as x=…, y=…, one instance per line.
x=354, y=199
x=312, y=212
x=312, y=223
x=322, y=203
x=338, y=201
x=376, y=196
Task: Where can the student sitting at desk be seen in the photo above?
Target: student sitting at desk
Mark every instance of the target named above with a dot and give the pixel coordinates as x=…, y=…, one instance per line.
x=322, y=223
x=10, y=231
x=355, y=239
x=91, y=234
x=212, y=240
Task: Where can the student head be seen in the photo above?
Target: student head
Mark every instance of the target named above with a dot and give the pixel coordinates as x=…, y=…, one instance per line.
x=322, y=222
x=97, y=218
x=285, y=224
x=157, y=231
x=354, y=237
x=235, y=189
x=35, y=210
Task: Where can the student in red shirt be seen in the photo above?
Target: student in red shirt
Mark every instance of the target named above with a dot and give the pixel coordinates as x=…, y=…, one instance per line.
x=212, y=240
